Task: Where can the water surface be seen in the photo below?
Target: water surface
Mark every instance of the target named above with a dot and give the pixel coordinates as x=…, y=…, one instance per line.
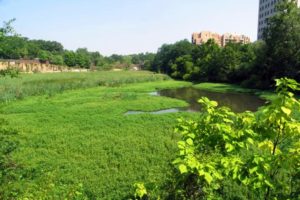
x=238, y=102
x=159, y=112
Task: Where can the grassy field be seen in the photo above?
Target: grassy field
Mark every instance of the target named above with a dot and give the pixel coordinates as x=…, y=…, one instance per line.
x=79, y=143
x=53, y=83
x=74, y=140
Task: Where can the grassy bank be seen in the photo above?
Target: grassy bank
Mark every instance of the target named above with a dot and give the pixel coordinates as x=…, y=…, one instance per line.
x=53, y=83
x=80, y=144
x=231, y=88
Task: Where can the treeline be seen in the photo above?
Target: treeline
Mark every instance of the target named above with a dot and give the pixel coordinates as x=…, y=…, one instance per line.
x=207, y=62
x=253, y=65
x=13, y=46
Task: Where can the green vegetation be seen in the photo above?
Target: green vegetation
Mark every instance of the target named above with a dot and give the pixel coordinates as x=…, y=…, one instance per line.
x=12, y=72
x=66, y=135
x=232, y=88
x=80, y=144
x=223, y=87
x=224, y=155
x=50, y=84
x=207, y=62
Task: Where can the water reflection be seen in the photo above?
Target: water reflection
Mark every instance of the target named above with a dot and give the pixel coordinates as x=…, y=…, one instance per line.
x=172, y=110
x=238, y=102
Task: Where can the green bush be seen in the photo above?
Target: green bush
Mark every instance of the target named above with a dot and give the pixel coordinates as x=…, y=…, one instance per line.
x=225, y=155
x=13, y=72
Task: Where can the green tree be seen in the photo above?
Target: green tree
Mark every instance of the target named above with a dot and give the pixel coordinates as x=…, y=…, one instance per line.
x=83, y=58
x=7, y=29
x=70, y=58
x=44, y=56
x=57, y=60
x=127, y=61
x=282, y=38
x=51, y=46
x=96, y=59
x=13, y=47
x=205, y=56
x=167, y=54
x=183, y=68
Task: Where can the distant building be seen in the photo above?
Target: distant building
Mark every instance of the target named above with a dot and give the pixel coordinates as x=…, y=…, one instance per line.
x=267, y=9
x=227, y=37
x=221, y=40
x=203, y=37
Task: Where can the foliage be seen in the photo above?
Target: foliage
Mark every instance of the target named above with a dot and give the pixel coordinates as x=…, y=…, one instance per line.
x=75, y=142
x=50, y=84
x=57, y=60
x=7, y=29
x=258, y=152
x=279, y=57
x=207, y=62
x=44, y=56
x=143, y=60
x=11, y=71
x=140, y=191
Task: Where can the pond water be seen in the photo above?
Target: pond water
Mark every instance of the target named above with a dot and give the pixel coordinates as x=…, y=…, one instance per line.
x=171, y=110
x=238, y=102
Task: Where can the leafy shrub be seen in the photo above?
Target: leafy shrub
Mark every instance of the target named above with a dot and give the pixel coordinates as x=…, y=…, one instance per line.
x=13, y=72
x=225, y=155
x=140, y=191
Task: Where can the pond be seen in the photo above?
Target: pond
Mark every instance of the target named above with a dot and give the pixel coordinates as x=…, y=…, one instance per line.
x=238, y=102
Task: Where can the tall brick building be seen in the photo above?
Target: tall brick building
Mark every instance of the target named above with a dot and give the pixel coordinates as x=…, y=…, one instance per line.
x=221, y=40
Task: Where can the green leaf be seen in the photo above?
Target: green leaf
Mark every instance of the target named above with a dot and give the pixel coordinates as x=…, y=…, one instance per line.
x=254, y=169
x=183, y=169
x=286, y=110
x=214, y=103
x=229, y=147
x=250, y=140
x=269, y=184
x=208, y=178
x=190, y=142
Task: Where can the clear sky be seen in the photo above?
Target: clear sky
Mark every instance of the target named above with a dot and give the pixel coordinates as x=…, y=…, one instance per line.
x=127, y=26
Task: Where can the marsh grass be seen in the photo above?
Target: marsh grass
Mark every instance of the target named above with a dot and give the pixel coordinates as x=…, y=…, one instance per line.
x=50, y=84
x=78, y=143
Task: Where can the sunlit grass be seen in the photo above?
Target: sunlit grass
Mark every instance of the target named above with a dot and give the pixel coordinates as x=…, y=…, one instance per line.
x=81, y=140
x=53, y=83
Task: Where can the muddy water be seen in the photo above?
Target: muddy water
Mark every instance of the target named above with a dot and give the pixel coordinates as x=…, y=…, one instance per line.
x=238, y=102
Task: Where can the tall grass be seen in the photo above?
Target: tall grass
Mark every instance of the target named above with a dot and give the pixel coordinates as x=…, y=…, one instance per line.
x=50, y=84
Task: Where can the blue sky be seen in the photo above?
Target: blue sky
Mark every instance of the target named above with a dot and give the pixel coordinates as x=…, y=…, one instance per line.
x=127, y=26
